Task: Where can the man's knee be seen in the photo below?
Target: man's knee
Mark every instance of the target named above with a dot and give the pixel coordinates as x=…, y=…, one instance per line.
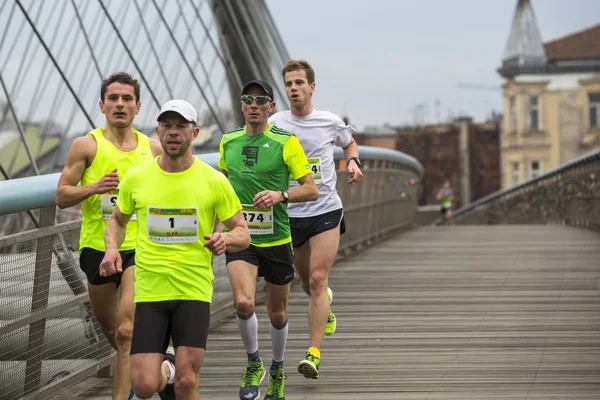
x=143, y=385
x=318, y=281
x=244, y=306
x=278, y=318
x=123, y=336
x=186, y=382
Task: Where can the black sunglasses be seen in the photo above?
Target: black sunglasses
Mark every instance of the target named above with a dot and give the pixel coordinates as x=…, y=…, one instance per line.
x=260, y=100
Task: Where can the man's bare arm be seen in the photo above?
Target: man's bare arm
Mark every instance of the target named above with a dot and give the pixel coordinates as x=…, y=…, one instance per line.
x=354, y=172
x=238, y=237
x=307, y=191
x=351, y=150
x=114, y=234
x=68, y=194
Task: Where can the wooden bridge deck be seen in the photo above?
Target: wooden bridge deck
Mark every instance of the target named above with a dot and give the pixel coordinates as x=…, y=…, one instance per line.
x=464, y=312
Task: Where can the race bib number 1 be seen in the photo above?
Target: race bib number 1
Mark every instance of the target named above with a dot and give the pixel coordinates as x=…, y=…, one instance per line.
x=260, y=222
x=107, y=203
x=315, y=167
x=173, y=225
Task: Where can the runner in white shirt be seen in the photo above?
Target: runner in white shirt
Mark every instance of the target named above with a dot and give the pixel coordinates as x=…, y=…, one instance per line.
x=316, y=226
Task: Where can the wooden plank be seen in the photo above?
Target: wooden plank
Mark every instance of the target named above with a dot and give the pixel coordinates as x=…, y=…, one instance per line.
x=477, y=312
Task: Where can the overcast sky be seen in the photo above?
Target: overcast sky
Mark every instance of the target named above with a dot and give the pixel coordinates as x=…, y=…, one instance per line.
x=375, y=60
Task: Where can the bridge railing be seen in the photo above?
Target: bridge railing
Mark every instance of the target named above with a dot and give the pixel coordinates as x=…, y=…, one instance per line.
x=49, y=338
x=567, y=195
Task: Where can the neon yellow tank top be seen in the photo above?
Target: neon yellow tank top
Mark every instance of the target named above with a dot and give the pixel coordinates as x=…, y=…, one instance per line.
x=96, y=209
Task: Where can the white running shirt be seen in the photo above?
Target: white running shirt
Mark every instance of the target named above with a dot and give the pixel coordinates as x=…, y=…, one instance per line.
x=318, y=133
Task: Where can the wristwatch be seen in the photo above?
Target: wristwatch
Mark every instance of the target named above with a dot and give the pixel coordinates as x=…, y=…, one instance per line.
x=286, y=196
x=356, y=160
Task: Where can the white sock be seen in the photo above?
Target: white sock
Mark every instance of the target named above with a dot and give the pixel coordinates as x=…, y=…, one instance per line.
x=171, y=371
x=278, y=341
x=249, y=331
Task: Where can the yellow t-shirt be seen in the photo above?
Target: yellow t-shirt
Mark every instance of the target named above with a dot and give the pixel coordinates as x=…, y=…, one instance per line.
x=96, y=209
x=175, y=211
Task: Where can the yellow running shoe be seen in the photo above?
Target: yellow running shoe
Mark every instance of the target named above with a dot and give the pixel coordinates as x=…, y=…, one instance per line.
x=309, y=366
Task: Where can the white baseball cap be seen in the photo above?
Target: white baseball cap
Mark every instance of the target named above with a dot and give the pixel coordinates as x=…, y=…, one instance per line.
x=182, y=108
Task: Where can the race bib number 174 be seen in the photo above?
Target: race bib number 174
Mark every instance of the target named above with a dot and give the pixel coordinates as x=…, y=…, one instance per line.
x=260, y=221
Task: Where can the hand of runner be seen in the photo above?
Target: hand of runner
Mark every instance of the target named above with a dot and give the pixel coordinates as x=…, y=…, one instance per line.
x=216, y=243
x=111, y=263
x=107, y=183
x=267, y=198
x=355, y=175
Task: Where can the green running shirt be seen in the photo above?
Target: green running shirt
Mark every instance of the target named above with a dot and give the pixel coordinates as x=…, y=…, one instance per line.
x=263, y=162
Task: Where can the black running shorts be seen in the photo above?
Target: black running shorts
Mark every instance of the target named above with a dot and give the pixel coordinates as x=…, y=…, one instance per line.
x=89, y=262
x=155, y=323
x=275, y=263
x=307, y=227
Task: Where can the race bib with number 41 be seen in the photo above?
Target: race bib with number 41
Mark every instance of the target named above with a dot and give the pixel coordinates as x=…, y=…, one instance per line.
x=260, y=221
x=107, y=204
x=315, y=168
x=173, y=225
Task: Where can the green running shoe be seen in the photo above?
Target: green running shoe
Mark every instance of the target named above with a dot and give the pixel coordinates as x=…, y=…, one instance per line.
x=276, y=384
x=253, y=375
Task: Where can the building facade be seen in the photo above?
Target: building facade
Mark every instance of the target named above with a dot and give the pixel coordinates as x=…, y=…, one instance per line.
x=551, y=98
x=466, y=154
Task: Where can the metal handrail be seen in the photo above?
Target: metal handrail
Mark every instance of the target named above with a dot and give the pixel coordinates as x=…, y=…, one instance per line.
x=34, y=192
x=385, y=202
x=577, y=162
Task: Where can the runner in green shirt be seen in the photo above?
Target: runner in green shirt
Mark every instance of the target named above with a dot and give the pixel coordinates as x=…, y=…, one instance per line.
x=259, y=159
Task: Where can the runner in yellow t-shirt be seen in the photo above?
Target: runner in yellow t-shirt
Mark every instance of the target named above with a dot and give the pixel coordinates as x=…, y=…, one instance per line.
x=176, y=199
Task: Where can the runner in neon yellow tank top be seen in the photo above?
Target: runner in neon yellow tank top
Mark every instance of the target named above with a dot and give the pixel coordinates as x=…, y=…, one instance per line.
x=176, y=199
x=259, y=159
x=96, y=209
x=99, y=160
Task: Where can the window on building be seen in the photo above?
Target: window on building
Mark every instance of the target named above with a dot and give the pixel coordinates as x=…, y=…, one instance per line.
x=513, y=115
x=534, y=113
x=594, y=100
x=535, y=168
x=515, y=173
